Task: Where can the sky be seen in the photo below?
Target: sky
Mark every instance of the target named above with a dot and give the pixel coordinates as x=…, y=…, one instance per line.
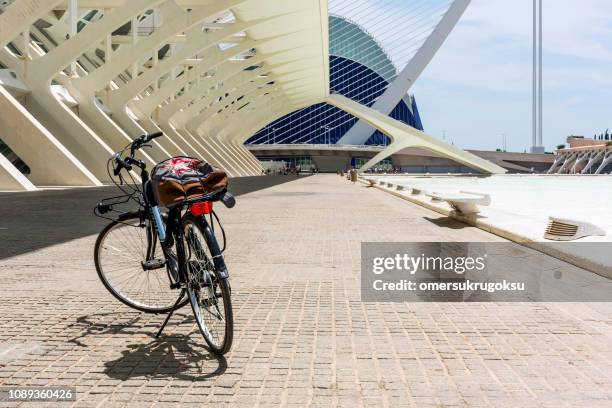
x=478, y=87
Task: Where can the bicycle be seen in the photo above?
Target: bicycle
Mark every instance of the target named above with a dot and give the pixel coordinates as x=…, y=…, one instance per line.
x=143, y=257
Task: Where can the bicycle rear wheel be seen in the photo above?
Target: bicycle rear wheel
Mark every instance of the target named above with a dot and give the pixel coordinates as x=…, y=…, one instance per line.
x=209, y=293
x=121, y=249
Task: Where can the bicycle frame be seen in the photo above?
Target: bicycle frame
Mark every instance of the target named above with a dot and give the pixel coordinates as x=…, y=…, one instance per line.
x=170, y=230
x=174, y=233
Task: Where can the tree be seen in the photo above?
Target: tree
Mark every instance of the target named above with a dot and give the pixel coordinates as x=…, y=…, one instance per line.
x=561, y=146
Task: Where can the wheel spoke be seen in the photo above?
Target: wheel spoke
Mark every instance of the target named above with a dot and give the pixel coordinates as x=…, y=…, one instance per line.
x=120, y=255
x=209, y=308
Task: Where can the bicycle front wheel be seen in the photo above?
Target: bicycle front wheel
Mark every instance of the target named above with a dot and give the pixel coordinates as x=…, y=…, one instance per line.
x=208, y=292
x=121, y=250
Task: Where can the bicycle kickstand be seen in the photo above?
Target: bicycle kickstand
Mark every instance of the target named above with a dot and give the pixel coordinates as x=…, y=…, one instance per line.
x=170, y=314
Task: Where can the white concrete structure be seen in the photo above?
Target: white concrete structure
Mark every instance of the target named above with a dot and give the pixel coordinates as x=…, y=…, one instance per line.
x=464, y=202
x=583, y=160
x=404, y=136
x=79, y=79
x=361, y=131
x=573, y=199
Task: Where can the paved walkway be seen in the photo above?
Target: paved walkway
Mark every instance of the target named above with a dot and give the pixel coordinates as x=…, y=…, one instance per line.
x=62, y=215
x=303, y=338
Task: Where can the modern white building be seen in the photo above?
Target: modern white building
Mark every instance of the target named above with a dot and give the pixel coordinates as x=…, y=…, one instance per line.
x=79, y=79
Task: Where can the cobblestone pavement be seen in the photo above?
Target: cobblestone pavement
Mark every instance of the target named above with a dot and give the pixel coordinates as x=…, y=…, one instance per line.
x=303, y=338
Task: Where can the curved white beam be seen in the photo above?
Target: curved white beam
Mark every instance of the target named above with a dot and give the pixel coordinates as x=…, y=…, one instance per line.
x=404, y=136
x=87, y=142
x=215, y=59
x=85, y=87
x=72, y=49
x=255, y=117
x=167, y=111
x=49, y=161
x=198, y=43
x=361, y=131
x=289, y=44
x=128, y=54
x=281, y=53
x=176, y=21
x=19, y=16
x=232, y=93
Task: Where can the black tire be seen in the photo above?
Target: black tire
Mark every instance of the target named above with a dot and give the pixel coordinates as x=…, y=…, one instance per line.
x=204, y=279
x=137, y=244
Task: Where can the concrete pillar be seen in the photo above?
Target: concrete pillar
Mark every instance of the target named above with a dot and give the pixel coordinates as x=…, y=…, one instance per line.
x=247, y=155
x=594, y=158
x=51, y=164
x=134, y=70
x=11, y=179
x=558, y=162
x=216, y=154
x=27, y=55
x=569, y=160
x=606, y=160
x=582, y=159
x=72, y=20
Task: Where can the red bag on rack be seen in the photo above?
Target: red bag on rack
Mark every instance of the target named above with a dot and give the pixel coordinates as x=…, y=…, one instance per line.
x=182, y=178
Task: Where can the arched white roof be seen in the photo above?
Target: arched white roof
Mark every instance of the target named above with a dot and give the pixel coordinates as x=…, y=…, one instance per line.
x=208, y=73
x=349, y=40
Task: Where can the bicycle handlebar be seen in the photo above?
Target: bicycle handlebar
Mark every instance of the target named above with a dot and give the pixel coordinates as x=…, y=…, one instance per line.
x=121, y=164
x=142, y=140
x=136, y=144
x=152, y=136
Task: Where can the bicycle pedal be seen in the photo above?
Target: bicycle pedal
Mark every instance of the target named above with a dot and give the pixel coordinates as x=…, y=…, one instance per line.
x=153, y=264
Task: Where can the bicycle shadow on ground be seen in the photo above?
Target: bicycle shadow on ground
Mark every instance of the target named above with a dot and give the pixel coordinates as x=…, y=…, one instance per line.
x=179, y=356
x=175, y=356
x=133, y=323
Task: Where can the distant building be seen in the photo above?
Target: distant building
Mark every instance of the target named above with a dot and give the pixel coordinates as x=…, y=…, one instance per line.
x=581, y=141
x=583, y=156
x=360, y=69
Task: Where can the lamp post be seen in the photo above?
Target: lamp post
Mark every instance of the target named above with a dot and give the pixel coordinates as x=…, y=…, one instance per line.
x=540, y=91
x=325, y=133
x=537, y=88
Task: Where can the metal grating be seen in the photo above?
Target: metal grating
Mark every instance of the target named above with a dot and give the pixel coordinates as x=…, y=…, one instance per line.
x=560, y=229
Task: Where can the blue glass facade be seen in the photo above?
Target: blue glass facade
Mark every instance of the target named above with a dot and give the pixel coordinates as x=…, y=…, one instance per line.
x=325, y=124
